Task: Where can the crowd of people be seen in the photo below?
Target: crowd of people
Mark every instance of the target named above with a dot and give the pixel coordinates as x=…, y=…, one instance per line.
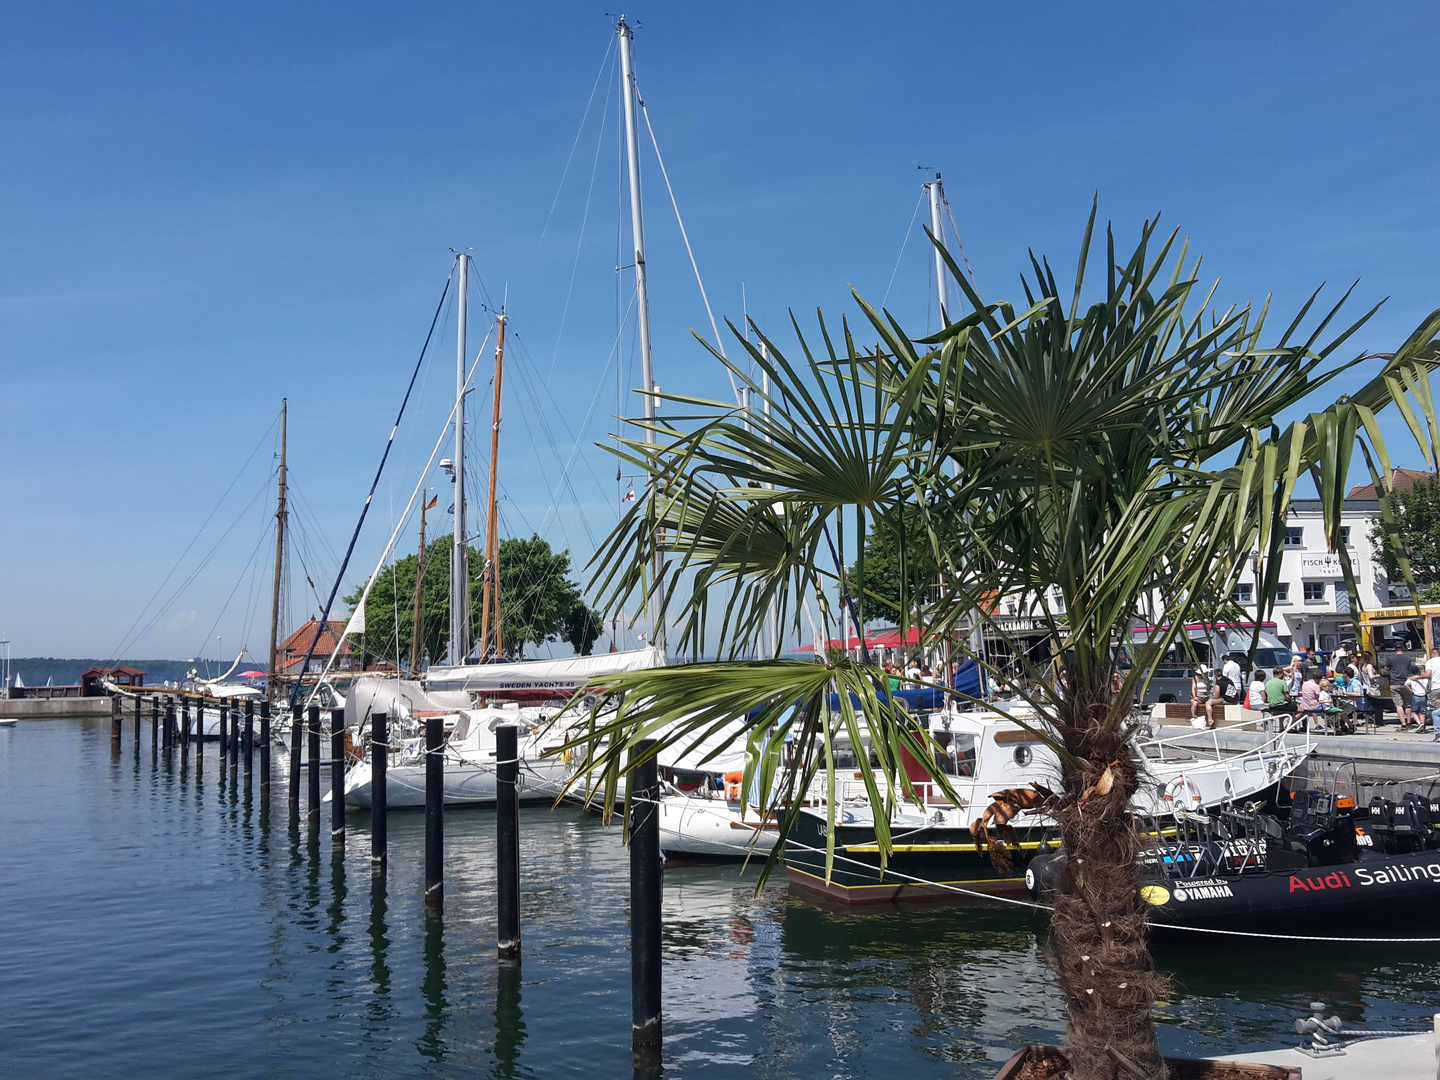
x=1329, y=690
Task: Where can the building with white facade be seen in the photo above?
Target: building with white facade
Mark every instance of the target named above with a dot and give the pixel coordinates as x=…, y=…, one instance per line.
x=1312, y=607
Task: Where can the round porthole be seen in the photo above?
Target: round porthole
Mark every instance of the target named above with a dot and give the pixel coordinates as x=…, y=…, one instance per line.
x=1023, y=755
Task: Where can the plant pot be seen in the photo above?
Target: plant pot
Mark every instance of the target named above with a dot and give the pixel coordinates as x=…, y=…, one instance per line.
x=1047, y=1062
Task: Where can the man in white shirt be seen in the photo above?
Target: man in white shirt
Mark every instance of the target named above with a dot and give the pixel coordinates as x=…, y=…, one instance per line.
x=1432, y=673
x=1231, y=670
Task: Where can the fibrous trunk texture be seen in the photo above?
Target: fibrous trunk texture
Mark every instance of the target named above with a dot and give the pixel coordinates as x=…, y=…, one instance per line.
x=1100, y=933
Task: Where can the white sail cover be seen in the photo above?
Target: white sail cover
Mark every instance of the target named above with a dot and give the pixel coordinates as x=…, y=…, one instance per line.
x=531, y=676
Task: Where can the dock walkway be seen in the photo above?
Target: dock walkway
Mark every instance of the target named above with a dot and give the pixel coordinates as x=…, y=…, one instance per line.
x=1382, y=747
x=1401, y=1057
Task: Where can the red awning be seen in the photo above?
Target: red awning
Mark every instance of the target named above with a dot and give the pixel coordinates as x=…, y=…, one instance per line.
x=892, y=638
x=852, y=642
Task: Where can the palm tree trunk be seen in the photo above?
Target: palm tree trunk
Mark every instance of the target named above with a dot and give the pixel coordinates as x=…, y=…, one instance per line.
x=1100, y=932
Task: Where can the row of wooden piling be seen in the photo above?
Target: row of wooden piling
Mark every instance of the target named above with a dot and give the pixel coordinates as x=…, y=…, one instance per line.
x=642, y=792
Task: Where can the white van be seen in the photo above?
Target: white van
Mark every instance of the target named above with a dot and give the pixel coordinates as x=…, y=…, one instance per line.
x=1208, y=644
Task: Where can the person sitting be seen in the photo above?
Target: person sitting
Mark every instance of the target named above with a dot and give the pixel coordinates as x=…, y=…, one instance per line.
x=1226, y=693
x=1255, y=699
x=1310, y=695
x=1277, y=694
x=1199, y=691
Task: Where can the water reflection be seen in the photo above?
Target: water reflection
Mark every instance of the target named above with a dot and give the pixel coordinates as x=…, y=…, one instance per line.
x=509, y=1022
x=432, y=988
x=379, y=1009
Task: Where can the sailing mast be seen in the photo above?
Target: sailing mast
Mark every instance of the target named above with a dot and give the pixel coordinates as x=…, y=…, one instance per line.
x=280, y=516
x=936, y=192
x=491, y=593
x=642, y=299
x=417, y=625
x=459, y=552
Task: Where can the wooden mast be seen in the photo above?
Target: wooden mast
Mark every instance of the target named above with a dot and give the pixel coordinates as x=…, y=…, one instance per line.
x=491, y=594
x=417, y=627
x=280, y=515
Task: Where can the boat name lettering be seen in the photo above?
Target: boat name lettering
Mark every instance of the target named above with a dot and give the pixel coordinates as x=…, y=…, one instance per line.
x=1394, y=875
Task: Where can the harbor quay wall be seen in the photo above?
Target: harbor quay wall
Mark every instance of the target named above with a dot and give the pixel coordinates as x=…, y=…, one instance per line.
x=54, y=708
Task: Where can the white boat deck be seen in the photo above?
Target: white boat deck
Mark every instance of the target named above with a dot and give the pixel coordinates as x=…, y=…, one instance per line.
x=1400, y=1057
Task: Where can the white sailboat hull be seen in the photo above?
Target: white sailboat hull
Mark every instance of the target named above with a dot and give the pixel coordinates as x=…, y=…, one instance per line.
x=710, y=829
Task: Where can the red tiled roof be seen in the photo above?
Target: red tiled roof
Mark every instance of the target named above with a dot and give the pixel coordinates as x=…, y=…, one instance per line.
x=1400, y=480
x=298, y=643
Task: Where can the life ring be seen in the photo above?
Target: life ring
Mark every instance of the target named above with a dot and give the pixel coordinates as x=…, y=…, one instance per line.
x=1182, y=794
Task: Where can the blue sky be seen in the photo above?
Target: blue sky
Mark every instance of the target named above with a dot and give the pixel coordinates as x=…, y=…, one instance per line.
x=205, y=209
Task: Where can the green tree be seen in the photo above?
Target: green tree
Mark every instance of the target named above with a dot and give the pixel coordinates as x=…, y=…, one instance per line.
x=536, y=594
x=897, y=563
x=537, y=597
x=1114, y=460
x=1417, y=533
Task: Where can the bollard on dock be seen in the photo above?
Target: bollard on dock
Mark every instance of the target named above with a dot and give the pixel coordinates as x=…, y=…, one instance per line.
x=434, y=811
x=312, y=767
x=642, y=790
x=379, y=762
x=507, y=843
x=337, y=776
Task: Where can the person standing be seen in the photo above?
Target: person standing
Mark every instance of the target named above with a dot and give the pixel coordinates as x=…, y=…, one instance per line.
x=1432, y=672
x=1393, y=672
x=1231, y=670
x=1417, y=688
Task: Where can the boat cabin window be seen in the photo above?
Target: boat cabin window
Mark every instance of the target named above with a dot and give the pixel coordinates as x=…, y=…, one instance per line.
x=1023, y=755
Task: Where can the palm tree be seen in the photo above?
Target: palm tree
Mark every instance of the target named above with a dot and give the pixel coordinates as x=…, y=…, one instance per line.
x=1089, y=463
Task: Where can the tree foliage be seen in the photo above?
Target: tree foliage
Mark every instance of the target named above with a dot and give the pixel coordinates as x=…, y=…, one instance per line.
x=1096, y=462
x=1417, y=527
x=539, y=602
x=898, y=563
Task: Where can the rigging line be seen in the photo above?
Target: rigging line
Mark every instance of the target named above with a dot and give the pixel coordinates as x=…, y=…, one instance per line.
x=719, y=344
x=364, y=510
x=247, y=575
x=362, y=604
x=958, y=242
x=124, y=641
x=604, y=63
x=565, y=481
x=584, y=221
x=903, y=244
x=185, y=584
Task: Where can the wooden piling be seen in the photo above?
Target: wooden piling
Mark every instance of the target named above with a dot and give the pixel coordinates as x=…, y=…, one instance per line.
x=199, y=735
x=312, y=767
x=234, y=740
x=167, y=736
x=642, y=790
x=507, y=843
x=155, y=721
x=379, y=762
x=249, y=741
x=185, y=725
x=117, y=722
x=337, y=776
x=265, y=746
x=434, y=811
x=139, y=708
x=297, y=733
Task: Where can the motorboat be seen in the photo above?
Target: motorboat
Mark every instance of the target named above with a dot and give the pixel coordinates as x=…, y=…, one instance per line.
x=934, y=852
x=1326, y=865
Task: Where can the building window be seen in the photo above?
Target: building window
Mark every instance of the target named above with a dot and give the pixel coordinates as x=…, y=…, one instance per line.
x=1314, y=592
x=1345, y=536
x=1243, y=594
x=1294, y=536
x=1282, y=593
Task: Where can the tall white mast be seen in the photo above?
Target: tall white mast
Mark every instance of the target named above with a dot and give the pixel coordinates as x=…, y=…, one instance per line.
x=642, y=296
x=937, y=192
x=459, y=553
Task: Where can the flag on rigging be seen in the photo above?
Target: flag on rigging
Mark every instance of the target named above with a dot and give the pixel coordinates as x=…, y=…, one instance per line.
x=432, y=503
x=629, y=495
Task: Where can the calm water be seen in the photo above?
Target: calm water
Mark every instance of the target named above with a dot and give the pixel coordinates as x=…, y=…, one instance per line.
x=158, y=924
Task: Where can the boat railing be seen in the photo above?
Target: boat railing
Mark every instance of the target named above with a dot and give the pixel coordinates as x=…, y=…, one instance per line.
x=1184, y=746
